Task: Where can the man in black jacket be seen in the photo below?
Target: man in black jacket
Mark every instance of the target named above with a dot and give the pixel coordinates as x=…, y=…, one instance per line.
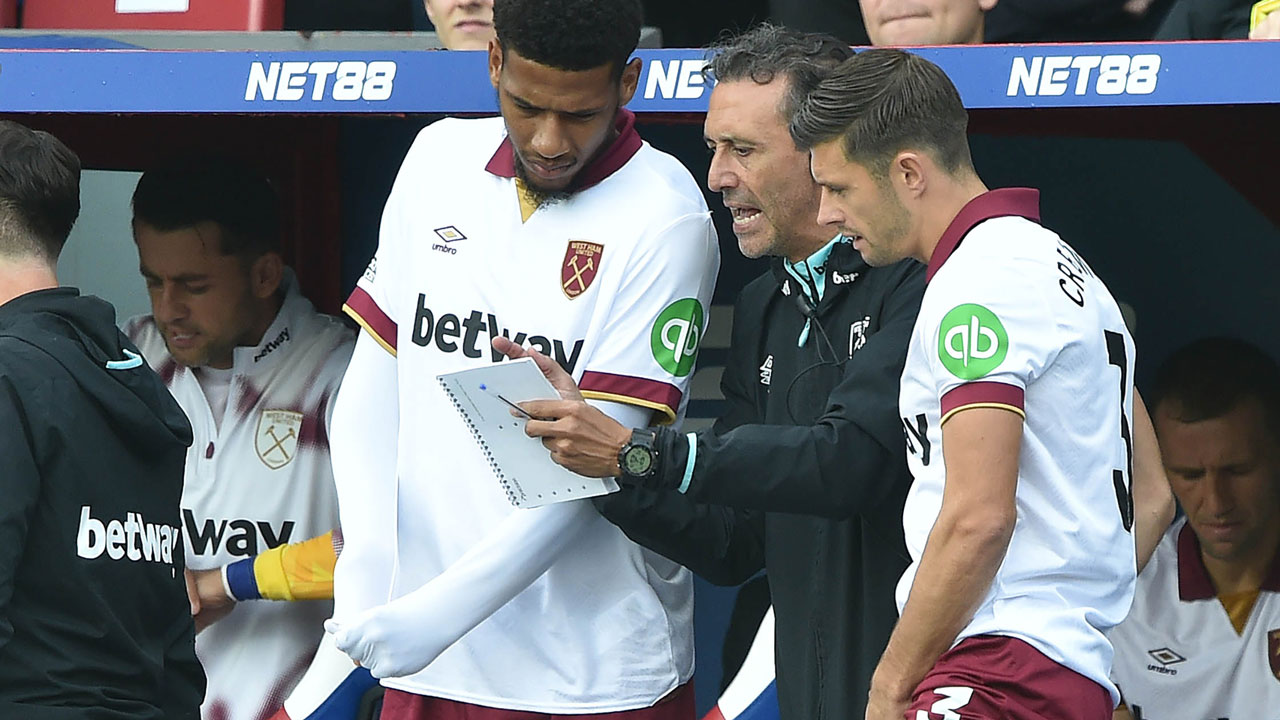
x=94, y=616
x=805, y=473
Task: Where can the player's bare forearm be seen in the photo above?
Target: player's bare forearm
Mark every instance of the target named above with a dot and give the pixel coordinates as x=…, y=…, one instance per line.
x=963, y=552
x=959, y=562
x=1153, y=506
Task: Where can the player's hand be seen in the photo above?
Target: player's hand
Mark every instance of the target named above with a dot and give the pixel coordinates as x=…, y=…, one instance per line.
x=579, y=436
x=386, y=641
x=883, y=705
x=1268, y=29
x=210, y=602
x=559, y=379
x=193, y=595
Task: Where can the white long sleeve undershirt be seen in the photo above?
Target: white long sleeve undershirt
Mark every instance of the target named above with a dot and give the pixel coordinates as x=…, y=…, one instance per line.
x=403, y=636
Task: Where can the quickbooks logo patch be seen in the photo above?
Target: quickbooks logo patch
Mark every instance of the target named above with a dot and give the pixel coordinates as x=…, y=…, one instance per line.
x=972, y=341
x=676, y=334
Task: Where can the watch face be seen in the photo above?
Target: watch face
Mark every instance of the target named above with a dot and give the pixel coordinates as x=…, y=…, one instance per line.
x=637, y=461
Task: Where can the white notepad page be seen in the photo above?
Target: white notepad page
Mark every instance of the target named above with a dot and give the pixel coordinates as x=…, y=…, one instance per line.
x=521, y=465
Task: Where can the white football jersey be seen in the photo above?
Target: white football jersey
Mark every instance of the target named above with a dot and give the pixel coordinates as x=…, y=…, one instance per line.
x=1177, y=654
x=260, y=480
x=613, y=283
x=1014, y=318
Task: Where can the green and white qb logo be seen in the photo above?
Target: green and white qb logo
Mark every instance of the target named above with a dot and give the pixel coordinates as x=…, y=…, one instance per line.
x=972, y=341
x=676, y=334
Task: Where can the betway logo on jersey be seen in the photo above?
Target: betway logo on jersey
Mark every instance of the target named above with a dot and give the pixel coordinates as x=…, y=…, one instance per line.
x=240, y=537
x=1053, y=75
x=344, y=81
x=450, y=333
x=271, y=346
x=675, y=80
x=133, y=538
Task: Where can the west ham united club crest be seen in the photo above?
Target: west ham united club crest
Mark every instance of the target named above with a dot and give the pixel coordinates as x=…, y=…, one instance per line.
x=277, y=438
x=1273, y=651
x=581, y=262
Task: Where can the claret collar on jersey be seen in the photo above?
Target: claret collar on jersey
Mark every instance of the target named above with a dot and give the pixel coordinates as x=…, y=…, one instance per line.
x=1194, y=582
x=623, y=147
x=1004, y=202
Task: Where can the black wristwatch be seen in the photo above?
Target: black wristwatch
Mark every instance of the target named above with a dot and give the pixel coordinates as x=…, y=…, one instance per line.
x=638, y=459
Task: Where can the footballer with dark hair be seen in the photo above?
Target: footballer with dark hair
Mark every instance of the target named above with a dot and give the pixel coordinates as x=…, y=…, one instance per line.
x=555, y=226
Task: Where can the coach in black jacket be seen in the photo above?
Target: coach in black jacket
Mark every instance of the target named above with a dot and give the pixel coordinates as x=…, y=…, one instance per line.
x=805, y=474
x=94, y=616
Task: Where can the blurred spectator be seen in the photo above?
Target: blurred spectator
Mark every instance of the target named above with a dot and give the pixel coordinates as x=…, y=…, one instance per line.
x=925, y=22
x=1206, y=20
x=1074, y=20
x=462, y=24
x=1202, y=639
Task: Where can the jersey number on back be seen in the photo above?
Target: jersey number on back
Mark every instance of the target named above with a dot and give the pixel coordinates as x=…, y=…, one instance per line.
x=1122, y=478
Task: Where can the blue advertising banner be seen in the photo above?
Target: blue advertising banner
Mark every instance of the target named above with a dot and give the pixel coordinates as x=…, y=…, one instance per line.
x=989, y=76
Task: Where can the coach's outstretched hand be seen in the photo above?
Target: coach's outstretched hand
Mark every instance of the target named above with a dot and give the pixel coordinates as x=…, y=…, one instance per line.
x=579, y=436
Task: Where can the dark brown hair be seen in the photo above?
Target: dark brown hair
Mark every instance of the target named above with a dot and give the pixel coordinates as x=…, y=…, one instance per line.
x=39, y=192
x=1211, y=376
x=883, y=101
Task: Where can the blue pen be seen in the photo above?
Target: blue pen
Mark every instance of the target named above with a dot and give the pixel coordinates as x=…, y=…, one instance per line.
x=512, y=405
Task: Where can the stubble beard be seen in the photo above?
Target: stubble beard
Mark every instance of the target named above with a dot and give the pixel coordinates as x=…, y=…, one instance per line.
x=541, y=197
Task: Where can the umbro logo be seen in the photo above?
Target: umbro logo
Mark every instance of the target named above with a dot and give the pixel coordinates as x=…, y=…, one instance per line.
x=1165, y=657
x=448, y=234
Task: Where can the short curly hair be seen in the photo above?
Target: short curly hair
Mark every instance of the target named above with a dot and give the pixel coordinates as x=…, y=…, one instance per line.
x=570, y=34
x=769, y=51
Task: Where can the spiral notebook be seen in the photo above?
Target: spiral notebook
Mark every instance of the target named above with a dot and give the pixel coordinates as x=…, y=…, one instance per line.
x=522, y=466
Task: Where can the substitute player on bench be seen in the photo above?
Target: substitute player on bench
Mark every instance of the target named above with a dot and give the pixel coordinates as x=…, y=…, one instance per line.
x=1017, y=400
x=1203, y=637
x=255, y=368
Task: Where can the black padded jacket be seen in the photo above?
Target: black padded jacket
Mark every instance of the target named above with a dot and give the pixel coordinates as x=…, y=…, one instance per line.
x=804, y=475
